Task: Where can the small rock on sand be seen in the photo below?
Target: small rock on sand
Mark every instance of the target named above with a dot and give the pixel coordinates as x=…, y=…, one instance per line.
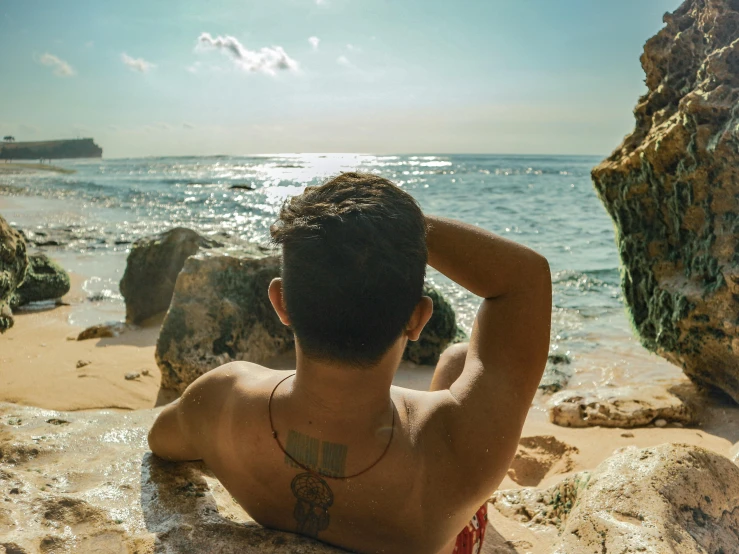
x=145, y=372
x=660, y=423
x=103, y=330
x=624, y=407
x=132, y=375
x=82, y=363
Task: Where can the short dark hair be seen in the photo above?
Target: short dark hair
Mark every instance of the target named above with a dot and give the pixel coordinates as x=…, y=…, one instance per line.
x=353, y=265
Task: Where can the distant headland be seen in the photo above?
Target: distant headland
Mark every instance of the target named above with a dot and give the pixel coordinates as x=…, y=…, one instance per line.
x=49, y=149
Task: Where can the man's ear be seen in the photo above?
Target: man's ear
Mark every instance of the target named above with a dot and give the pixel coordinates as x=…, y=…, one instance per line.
x=278, y=302
x=419, y=318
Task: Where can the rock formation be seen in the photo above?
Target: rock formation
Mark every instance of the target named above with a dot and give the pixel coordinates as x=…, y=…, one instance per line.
x=668, y=498
x=13, y=267
x=45, y=280
x=85, y=482
x=50, y=149
x=624, y=407
x=672, y=189
x=152, y=268
x=440, y=331
x=557, y=373
x=220, y=312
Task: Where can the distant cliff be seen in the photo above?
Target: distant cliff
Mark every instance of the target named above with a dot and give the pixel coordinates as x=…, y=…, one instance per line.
x=50, y=149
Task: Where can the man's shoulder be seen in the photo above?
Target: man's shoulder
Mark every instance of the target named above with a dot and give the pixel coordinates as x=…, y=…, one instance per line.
x=237, y=377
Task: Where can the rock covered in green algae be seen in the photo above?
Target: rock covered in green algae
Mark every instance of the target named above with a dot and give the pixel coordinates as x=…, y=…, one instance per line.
x=13, y=267
x=220, y=312
x=672, y=189
x=152, y=268
x=440, y=331
x=86, y=482
x=45, y=280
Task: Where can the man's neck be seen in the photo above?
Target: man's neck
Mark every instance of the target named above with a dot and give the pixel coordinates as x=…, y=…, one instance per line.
x=344, y=393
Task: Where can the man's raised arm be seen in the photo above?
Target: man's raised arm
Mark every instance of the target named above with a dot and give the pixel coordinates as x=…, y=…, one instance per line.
x=509, y=342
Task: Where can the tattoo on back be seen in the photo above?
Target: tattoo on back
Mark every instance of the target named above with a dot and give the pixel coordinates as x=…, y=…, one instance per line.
x=314, y=498
x=326, y=458
x=313, y=495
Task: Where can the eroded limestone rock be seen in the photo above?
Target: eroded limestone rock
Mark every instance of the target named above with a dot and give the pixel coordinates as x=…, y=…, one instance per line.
x=672, y=189
x=152, y=268
x=45, y=280
x=220, y=312
x=668, y=498
x=13, y=267
x=624, y=407
x=85, y=482
x=539, y=507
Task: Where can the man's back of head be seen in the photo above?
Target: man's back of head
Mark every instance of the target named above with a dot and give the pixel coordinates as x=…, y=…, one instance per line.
x=354, y=261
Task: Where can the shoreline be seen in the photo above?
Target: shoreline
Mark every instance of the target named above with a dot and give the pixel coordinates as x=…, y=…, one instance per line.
x=14, y=168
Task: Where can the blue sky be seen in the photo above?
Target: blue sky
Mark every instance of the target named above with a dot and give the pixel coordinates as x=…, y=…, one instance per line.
x=185, y=77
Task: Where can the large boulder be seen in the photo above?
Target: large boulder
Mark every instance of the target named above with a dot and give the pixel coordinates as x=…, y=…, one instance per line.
x=45, y=280
x=220, y=312
x=13, y=267
x=152, y=268
x=86, y=482
x=672, y=189
x=668, y=498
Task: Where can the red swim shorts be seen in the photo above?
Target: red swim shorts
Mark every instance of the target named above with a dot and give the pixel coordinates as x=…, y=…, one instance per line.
x=469, y=541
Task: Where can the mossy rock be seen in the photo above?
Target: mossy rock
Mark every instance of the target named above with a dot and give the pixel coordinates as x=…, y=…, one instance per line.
x=45, y=280
x=672, y=189
x=440, y=331
x=220, y=312
x=13, y=267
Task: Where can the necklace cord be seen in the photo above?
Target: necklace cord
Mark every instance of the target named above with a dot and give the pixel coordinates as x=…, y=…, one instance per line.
x=311, y=470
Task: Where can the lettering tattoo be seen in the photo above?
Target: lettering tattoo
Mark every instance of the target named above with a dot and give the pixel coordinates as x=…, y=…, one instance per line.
x=313, y=495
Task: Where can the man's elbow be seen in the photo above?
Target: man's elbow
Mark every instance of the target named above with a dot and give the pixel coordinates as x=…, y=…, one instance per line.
x=166, y=440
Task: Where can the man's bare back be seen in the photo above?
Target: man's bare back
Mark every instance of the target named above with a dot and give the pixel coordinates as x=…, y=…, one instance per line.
x=357, y=463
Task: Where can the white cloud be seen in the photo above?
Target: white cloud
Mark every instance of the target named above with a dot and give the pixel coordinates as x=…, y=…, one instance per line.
x=60, y=67
x=137, y=64
x=343, y=60
x=267, y=60
x=314, y=42
x=320, y=2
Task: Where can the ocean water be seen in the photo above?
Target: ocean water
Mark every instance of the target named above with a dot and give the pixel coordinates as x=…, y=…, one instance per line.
x=545, y=202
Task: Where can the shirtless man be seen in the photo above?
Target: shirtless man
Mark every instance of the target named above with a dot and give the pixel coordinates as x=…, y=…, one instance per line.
x=333, y=450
